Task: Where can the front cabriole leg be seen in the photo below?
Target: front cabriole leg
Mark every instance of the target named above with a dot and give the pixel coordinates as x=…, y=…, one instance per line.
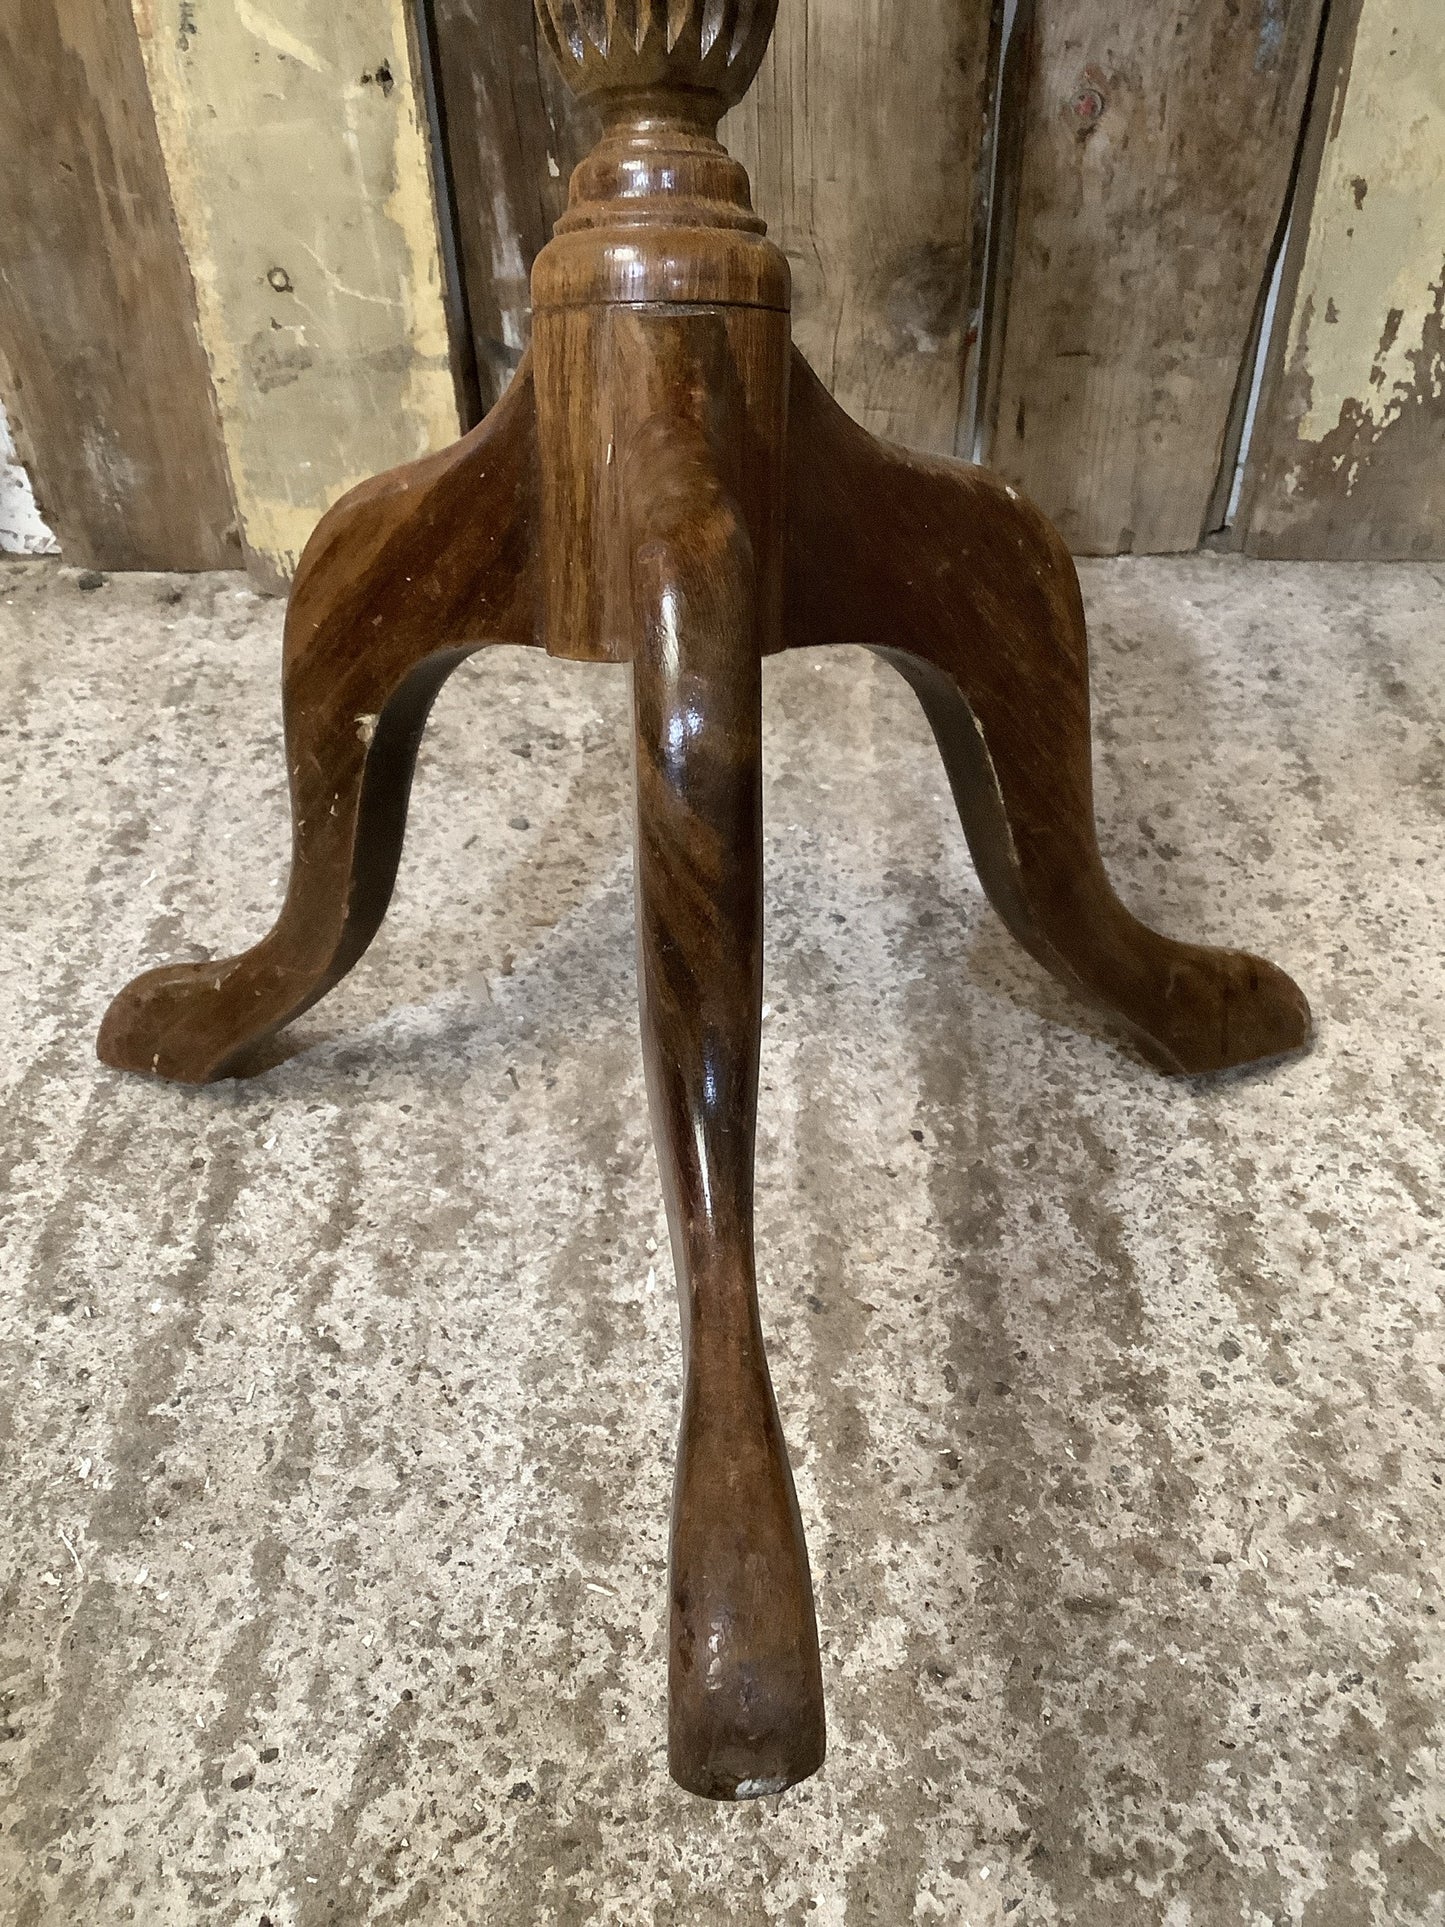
x=969, y=592
x=402, y=579
x=746, y=1704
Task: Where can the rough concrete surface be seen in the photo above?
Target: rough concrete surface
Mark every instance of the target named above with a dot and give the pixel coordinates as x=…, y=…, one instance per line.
x=338, y=1406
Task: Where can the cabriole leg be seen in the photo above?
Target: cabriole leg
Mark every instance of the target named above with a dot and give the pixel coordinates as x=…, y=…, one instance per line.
x=401, y=581
x=968, y=591
x=746, y=1703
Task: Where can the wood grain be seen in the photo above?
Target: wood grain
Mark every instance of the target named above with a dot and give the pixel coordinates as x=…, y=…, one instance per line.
x=514, y=133
x=970, y=593
x=1348, y=454
x=666, y=483
x=745, y=1686
x=864, y=138
x=1156, y=157
x=97, y=309
x=661, y=353
x=620, y=248
x=401, y=581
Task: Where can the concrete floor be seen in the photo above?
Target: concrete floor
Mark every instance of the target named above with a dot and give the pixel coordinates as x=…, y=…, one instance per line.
x=338, y=1406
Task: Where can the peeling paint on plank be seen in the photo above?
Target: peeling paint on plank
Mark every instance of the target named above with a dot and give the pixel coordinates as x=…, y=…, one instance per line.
x=303, y=189
x=1351, y=458
x=1156, y=156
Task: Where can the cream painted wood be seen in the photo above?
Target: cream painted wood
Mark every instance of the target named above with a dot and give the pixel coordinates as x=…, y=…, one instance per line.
x=296, y=147
x=1348, y=455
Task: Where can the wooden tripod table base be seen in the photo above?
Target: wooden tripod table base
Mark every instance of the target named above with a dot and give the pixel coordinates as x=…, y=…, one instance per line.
x=666, y=484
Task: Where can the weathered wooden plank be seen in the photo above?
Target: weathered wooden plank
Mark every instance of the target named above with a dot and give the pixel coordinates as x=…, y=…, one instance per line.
x=1156, y=160
x=864, y=135
x=513, y=134
x=97, y=311
x=297, y=148
x=1348, y=453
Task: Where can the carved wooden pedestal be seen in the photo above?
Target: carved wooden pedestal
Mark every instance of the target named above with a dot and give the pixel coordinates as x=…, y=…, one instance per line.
x=666, y=484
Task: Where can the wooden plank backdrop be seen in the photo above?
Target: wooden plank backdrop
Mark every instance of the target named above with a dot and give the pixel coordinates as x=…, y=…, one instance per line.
x=1348, y=453
x=513, y=135
x=97, y=310
x=298, y=153
x=1144, y=160
x=1156, y=156
x=865, y=136
x=1154, y=152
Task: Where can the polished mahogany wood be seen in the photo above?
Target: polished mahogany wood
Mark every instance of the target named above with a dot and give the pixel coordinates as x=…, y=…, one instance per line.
x=401, y=581
x=658, y=218
x=969, y=591
x=625, y=54
x=745, y=1683
x=665, y=485
x=664, y=422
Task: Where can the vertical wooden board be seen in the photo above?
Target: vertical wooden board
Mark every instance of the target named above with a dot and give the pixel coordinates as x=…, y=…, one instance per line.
x=1348, y=453
x=513, y=135
x=1156, y=161
x=864, y=135
x=296, y=142
x=97, y=311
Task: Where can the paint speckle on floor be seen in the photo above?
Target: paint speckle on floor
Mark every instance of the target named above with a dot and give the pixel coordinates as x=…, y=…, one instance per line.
x=337, y=1409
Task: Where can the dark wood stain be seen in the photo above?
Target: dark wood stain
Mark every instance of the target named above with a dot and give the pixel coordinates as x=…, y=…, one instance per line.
x=667, y=484
x=402, y=579
x=971, y=593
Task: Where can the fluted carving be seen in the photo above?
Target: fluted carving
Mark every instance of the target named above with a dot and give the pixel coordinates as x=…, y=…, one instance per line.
x=709, y=47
